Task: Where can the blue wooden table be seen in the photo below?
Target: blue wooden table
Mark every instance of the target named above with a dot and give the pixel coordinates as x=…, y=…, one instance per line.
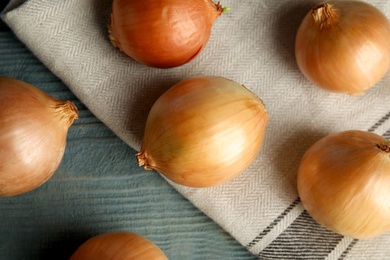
x=98, y=188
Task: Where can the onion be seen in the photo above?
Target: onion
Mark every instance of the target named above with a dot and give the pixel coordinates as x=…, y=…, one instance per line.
x=344, y=183
x=33, y=134
x=344, y=46
x=118, y=246
x=165, y=33
x=203, y=132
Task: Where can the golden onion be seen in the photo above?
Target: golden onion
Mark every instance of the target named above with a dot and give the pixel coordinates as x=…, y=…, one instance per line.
x=344, y=46
x=118, y=246
x=203, y=131
x=162, y=34
x=33, y=133
x=344, y=183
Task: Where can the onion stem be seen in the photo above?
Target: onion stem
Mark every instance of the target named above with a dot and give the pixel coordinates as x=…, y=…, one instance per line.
x=143, y=161
x=67, y=110
x=225, y=9
x=324, y=15
x=384, y=147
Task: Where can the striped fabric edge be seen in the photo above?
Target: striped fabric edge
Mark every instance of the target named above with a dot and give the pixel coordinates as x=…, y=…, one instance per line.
x=303, y=239
x=343, y=244
x=273, y=224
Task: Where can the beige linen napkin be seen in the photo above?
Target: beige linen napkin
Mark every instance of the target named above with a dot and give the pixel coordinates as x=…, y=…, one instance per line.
x=253, y=45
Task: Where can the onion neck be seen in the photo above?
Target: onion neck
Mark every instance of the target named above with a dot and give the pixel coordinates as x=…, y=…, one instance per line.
x=324, y=15
x=143, y=160
x=217, y=9
x=385, y=146
x=67, y=111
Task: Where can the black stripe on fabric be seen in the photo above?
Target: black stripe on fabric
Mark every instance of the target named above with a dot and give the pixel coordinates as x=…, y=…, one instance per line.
x=387, y=134
x=380, y=122
x=346, y=251
x=303, y=239
x=273, y=224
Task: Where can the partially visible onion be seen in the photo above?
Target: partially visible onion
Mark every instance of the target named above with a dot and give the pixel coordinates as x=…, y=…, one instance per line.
x=203, y=132
x=33, y=131
x=165, y=33
x=344, y=183
x=344, y=46
x=118, y=246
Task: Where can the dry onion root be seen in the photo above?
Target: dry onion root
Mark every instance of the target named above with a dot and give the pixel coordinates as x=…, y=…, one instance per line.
x=162, y=34
x=33, y=134
x=344, y=183
x=203, y=132
x=344, y=46
x=118, y=246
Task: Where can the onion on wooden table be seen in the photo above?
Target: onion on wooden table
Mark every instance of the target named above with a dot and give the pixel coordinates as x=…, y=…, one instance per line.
x=33, y=133
x=118, y=246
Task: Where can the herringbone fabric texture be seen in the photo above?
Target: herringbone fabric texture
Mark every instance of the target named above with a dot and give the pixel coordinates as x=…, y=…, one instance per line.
x=253, y=45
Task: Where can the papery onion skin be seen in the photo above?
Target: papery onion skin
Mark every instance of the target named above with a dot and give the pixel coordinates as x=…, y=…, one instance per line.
x=203, y=132
x=344, y=183
x=344, y=46
x=165, y=33
x=118, y=246
x=33, y=134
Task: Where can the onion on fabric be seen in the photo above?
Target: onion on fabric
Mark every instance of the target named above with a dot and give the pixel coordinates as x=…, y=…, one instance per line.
x=33, y=131
x=203, y=131
x=344, y=46
x=165, y=33
x=344, y=183
x=118, y=246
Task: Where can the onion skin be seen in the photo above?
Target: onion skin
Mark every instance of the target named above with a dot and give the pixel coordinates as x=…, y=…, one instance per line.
x=162, y=34
x=118, y=246
x=344, y=46
x=33, y=134
x=203, y=132
x=344, y=183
